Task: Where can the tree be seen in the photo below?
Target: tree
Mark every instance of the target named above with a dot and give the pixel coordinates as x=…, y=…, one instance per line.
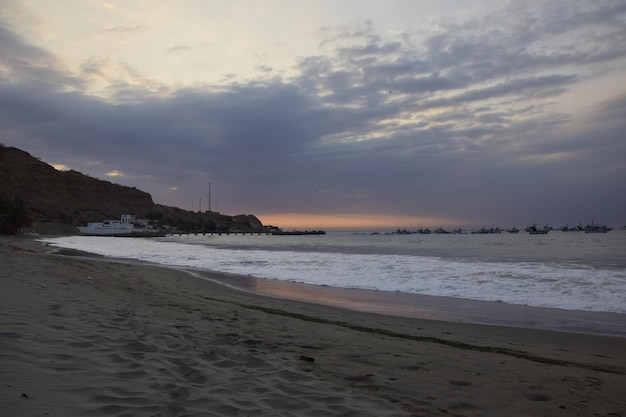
x=13, y=217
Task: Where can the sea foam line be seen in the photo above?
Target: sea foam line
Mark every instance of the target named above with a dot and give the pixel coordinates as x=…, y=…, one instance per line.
x=524, y=283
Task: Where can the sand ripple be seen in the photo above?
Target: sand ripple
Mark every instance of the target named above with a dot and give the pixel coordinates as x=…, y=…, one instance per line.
x=84, y=337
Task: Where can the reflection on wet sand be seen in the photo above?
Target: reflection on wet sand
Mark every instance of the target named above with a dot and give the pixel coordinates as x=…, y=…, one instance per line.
x=428, y=307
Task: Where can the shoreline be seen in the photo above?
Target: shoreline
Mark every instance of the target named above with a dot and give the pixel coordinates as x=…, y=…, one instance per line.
x=428, y=307
x=530, y=281
x=87, y=335
x=398, y=304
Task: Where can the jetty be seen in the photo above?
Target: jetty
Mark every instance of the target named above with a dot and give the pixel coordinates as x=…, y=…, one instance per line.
x=298, y=232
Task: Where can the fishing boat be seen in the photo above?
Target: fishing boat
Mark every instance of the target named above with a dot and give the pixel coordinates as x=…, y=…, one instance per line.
x=597, y=228
x=534, y=230
x=578, y=228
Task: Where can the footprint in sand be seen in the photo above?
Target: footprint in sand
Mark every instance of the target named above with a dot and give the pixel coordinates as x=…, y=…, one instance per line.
x=536, y=397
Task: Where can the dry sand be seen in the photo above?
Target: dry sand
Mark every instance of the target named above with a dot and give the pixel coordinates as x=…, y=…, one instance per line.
x=86, y=336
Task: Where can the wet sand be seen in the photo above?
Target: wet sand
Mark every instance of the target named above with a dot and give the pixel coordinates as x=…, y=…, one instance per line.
x=431, y=307
x=88, y=336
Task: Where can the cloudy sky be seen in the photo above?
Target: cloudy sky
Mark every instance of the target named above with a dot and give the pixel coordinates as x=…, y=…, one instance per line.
x=330, y=113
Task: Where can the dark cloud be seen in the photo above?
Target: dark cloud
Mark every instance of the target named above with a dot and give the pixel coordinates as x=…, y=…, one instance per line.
x=25, y=63
x=460, y=123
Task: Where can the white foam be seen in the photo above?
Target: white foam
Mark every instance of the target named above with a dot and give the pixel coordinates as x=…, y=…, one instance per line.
x=526, y=283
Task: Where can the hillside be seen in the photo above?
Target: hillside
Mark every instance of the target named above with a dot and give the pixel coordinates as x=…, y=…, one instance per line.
x=68, y=198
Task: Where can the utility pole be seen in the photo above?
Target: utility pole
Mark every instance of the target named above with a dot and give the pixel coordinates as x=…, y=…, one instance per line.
x=209, y=208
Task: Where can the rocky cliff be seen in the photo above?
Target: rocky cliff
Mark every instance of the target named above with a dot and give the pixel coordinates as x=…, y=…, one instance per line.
x=71, y=198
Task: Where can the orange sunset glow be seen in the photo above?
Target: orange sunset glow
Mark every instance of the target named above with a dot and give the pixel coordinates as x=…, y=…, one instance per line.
x=351, y=222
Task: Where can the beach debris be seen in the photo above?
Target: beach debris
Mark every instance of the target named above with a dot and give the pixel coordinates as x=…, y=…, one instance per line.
x=307, y=358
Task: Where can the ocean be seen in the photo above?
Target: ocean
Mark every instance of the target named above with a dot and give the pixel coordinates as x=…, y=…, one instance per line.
x=570, y=271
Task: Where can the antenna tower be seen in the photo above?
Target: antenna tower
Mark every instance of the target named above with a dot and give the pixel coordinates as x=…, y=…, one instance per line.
x=209, y=208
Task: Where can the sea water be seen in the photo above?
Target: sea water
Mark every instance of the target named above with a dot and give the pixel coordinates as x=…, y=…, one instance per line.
x=563, y=270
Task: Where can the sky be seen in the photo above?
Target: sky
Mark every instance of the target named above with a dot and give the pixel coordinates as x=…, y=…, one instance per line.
x=342, y=114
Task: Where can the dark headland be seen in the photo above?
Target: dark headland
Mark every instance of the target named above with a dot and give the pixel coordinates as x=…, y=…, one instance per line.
x=36, y=197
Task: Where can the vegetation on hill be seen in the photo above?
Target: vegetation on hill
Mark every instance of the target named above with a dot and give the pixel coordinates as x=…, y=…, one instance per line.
x=35, y=195
x=13, y=217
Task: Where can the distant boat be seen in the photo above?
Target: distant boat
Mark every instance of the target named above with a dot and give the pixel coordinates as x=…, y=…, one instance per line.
x=578, y=228
x=120, y=228
x=533, y=230
x=485, y=231
x=597, y=228
x=513, y=230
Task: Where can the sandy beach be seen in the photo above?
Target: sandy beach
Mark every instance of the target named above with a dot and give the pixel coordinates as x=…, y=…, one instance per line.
x=83, y=336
